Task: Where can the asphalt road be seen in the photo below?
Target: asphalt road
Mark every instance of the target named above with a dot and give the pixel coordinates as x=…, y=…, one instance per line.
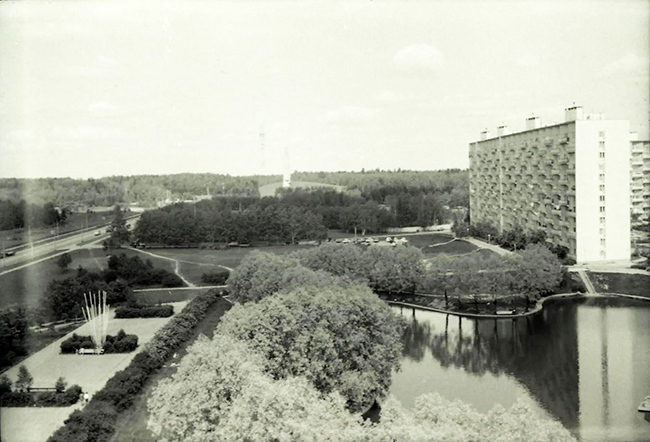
x=32, y=254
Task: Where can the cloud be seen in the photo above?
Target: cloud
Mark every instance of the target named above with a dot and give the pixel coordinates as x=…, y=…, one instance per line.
x=386, y=97
x=102, y=107
x=103, y=67
x=418, y=58
x=628, y=65
x=351, y=115
x=528, y=60
x=86, y=133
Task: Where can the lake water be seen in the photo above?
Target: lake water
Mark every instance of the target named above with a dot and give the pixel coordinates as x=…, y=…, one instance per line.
x=585, y=363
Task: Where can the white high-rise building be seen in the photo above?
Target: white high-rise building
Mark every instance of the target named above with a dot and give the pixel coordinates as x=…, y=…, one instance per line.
x=640, y=178
x=570, y=179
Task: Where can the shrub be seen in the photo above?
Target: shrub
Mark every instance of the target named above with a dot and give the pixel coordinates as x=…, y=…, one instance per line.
x=142, y=311
x=171, y=280
x=216, y=277
x=5, y=384
x=122, y=343
x=17, y=399
x=60, y=385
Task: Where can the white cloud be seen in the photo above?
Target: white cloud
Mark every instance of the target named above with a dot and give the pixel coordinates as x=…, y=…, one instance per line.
x=102, y=107
x=418, y=58
x=351, y=115
x=630, y=64
x=386, y=96
x=528, y=60
x=103, y=67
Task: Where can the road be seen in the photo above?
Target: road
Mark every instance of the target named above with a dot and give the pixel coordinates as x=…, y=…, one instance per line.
x=30, y=255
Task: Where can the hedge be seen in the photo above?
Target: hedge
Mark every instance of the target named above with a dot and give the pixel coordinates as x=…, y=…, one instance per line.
x=42, y=399
x=121, y=343
x=216, y=277
x=96, y=422
x=154, y=311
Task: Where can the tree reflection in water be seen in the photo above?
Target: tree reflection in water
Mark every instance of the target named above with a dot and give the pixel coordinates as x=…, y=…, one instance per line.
x=540, y=352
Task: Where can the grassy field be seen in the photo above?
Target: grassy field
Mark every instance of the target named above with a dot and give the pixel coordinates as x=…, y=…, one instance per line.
x=629, y=284
x=131, y=426
x=228, y=257
x=458, y=247
x=166, y=295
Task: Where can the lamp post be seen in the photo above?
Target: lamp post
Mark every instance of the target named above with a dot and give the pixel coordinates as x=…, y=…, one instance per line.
x=489, y=236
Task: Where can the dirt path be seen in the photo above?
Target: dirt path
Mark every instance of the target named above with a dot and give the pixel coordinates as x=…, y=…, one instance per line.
x=176, y=266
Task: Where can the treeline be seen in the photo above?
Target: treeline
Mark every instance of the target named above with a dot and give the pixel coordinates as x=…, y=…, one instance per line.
x=146, y=190
x=290, y=217
x=451, y=186
x=20, y=214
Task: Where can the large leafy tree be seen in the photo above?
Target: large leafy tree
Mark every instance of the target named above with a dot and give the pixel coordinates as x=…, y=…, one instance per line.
x=342, y=339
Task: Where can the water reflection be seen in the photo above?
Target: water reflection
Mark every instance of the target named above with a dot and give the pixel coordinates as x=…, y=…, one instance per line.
x=585, y=363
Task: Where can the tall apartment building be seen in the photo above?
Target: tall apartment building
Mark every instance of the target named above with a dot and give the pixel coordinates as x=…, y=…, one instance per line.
x=570, y=179
x=640, y=178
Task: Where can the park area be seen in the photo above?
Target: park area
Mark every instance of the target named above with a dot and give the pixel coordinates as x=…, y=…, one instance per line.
x=91, y=372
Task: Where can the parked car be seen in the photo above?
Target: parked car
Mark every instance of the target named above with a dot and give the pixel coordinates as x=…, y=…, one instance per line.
x=97, y=233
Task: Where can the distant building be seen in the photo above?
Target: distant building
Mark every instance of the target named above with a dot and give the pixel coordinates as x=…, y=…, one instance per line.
x=569, y=179
x=640, y=178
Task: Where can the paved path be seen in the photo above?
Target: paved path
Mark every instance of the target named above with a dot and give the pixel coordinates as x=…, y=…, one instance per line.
x=176, y=268
x=171, y=289
x=586, y=281
x=90, y=372
x=483, y=245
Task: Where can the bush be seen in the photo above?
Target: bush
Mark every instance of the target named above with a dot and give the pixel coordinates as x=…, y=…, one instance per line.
x=171, y=280
x=216, y=277
x=142, y=311
x=122, y=343
x=17, y=399
x=96, y=421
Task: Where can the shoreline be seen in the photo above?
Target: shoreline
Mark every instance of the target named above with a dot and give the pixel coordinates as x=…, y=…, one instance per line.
x=539, y=305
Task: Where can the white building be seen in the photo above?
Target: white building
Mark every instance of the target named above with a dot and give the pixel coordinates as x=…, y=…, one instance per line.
x=570, y=179
x=640, y=178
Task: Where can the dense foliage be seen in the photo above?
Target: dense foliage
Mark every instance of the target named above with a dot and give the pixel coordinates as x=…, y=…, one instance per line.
x=144, y=311
x=221, y=392
x=393, y=270
x=216, y=277
x=19, y=214
x=95, y=422
x=534, y=271
x=120, y=343
x=14, y=328
x=63, y=398
x=341, y=339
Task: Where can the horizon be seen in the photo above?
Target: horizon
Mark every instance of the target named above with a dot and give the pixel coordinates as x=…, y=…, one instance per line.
x=256, y=88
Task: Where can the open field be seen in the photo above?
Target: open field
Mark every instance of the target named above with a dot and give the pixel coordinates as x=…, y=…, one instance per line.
x=90, y=372
x=132, y=425
x=458, y=247
x=629, y=284
x=228, y=257
x=166, y=295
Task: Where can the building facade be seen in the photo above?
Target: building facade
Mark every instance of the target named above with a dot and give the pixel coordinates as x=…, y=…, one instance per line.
x=640, y=179
x=569, y=179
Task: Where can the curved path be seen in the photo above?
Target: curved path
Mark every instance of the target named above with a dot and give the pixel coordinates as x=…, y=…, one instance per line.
x=176, y=267
x=539, y=306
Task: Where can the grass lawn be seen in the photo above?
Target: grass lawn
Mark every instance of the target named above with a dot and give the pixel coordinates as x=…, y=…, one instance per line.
x=166, y=295
x=458, y=247
x=228, y=257
x=629, y=284
x=131, y=426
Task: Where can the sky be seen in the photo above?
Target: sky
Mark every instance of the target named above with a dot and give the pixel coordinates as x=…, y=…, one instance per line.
x=92, y=89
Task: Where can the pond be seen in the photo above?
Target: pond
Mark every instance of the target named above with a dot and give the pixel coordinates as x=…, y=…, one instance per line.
x=585, y=363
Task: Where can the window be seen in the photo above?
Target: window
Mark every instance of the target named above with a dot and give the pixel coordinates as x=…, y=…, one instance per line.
x=601, y=134
x=602, y=198
x=601, y=145
x=602, y=209
x=602, y=187
x=601, y=167
x=602, y=154
x=602, y=232
x=602, y=220
x=601, y=177
x=602, y=241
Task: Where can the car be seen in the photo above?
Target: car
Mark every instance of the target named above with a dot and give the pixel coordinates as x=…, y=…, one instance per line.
x=346, y=241
x=10, y=252
x=97, y=233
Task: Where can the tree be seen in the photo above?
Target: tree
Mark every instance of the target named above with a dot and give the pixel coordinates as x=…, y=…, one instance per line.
x=395, y=270
x=119, y=233
x=14, y=330
x=24, y=380
x=539, y=272
x=221, y=393
x=64, y=261
x=324, y=334
x=258, y=275
x=5, y=384
x=60, y=385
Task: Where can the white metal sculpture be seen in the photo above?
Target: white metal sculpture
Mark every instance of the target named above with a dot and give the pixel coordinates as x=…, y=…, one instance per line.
x=96, y=314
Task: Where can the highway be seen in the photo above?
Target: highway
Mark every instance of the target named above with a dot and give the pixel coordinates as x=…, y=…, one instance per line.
x=72, y=241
